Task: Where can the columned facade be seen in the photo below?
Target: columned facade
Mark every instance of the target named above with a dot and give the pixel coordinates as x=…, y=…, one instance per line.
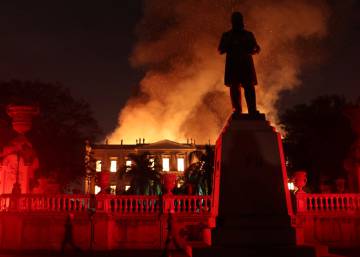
x=173, y=156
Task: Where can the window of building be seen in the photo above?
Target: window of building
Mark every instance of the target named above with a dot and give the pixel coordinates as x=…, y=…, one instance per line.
x=113, y=165
x=180, y=164
x=127, y=188
x=166, y=164
x=152, y=163
x=98, y=166
x=128, y=165
x=113, y=190
x=97, y=189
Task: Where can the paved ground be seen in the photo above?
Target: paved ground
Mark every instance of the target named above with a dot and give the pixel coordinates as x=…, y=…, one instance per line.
x=133, y=253
x=122, y=253
x=348, y=252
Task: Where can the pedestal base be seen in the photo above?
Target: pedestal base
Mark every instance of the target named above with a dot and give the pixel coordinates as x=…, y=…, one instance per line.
x=253, y=202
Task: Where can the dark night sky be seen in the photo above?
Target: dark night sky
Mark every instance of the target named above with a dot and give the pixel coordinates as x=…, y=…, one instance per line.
x=85, y=45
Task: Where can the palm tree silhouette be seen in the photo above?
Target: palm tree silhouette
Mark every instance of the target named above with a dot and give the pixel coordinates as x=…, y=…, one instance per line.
x=144, y=174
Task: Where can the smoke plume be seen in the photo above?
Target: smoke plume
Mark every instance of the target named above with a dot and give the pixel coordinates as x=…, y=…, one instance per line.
x=182, y=94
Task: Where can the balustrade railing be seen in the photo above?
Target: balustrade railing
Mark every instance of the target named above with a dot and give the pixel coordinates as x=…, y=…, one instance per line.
x=329, y=203
x=128, y=204
x=191, y=204
x=121, y=204
x=37, y=202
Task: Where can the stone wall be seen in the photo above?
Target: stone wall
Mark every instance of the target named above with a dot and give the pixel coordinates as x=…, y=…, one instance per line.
x=46, y=230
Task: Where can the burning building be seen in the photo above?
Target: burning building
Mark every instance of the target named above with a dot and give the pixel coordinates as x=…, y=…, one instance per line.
x=112, y=158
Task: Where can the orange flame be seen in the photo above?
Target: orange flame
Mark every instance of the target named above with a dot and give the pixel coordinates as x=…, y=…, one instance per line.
x=182, y=94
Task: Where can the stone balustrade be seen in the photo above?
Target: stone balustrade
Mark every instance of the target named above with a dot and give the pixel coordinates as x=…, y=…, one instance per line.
x=191, y=204
x=327, y=203
x=327, y=219
x=128, y=204
x=120, y=204
x=40, y=202
x=101, y=222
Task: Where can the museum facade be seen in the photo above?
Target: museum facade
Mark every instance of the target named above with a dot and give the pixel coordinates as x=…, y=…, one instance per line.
x=112, y=158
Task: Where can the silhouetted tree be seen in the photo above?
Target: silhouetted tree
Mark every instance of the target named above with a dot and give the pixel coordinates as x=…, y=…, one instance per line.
x=144, y=174
x=199, y=175
x=318, y=137
x=59, y=133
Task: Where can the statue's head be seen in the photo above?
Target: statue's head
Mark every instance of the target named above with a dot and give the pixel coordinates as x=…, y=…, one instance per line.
x=237, y=21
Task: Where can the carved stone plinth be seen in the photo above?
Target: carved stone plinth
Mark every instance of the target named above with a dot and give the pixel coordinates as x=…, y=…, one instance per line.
x=250, y=193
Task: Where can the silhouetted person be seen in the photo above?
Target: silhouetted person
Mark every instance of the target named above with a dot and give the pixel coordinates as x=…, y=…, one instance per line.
x=68, y=237
x=171, y=242
x=239, y=46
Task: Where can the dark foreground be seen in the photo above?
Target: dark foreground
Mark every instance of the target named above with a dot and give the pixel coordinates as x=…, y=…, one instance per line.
x=123, y=253
x=345, y=252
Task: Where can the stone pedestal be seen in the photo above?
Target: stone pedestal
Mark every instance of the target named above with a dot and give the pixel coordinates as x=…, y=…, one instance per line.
x=250, y=193
x=19, y=159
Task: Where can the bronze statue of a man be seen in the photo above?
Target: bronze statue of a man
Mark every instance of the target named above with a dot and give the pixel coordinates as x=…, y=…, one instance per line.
x=239, y=46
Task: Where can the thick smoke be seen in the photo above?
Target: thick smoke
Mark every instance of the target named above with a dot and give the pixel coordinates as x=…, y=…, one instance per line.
x=182, y=94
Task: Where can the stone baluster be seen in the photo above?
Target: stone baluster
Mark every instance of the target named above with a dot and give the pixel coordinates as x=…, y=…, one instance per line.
x=321, y=203
x=131, y=205
x=36, y=201
x=349, y=203
x=331, y=203
x=337, y=203
x=316, y=204
x=326, y=203
x=144, y=205
x=137, y=205
x=152, y=205
x=127, y=207
x=117, y=203
x=120, y=205
x=355, y=203
x=51, y=203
